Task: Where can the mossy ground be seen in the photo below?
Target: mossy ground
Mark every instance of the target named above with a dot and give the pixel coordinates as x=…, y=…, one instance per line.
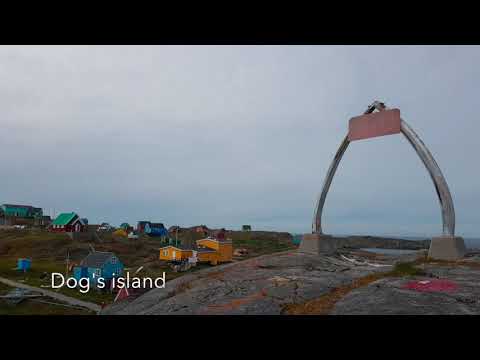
x=48, y=252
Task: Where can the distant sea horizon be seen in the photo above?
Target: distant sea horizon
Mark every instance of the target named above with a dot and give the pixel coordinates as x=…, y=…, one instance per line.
x=470, y=242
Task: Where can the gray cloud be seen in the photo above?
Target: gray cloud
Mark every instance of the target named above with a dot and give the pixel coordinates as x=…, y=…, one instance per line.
x=227, y=135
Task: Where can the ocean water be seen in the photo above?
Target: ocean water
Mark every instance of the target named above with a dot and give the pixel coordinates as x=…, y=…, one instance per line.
x=472, y=243
x=389, y=251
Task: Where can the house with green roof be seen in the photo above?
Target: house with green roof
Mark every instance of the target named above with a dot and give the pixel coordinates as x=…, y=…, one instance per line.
x=68, y=222
x=24, y=211
x=11, y=214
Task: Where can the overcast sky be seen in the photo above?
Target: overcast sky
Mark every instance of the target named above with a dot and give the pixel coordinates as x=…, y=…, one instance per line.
x=232, y=135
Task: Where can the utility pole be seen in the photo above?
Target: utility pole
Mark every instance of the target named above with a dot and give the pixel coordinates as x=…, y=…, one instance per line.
x=68, y=262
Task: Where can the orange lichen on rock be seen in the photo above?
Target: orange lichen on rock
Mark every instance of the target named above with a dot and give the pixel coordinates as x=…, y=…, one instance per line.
x=324, y=304
x=234, y=304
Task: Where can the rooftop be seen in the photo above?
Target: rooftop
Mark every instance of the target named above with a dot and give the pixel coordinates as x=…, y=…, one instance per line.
x=64, y=218
x=18, y=206
x=96, y=259
x=180, y=247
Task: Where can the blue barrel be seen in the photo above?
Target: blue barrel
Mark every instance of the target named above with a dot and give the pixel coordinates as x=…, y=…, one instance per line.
x=24, y=264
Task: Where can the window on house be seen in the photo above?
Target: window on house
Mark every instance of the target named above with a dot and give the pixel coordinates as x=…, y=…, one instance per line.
x=165, y=252
x=98, y=272
x=114, y=260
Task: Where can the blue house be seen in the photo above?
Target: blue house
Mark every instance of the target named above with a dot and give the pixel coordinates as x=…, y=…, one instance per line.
x=155, y=229
x=99, y=264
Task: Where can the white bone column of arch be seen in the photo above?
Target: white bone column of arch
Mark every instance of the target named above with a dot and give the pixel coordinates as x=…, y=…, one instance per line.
x=441, y=187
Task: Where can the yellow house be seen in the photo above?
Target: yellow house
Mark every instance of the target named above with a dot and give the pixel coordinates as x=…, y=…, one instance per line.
x=207, y=255
x=209, y=250
x=170, y=253
x=223, y=250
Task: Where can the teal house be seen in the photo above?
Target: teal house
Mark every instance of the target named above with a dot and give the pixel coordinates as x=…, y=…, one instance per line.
x=297, y=239
x=99, y=264
x=23, y=211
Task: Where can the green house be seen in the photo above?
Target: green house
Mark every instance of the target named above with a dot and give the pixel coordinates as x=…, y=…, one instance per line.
x=23, y=211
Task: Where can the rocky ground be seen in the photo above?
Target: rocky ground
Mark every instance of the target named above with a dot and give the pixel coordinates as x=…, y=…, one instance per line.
x=349, y=282
x=390, y=296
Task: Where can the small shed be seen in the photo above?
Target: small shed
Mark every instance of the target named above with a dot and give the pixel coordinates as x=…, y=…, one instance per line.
x=24, y=264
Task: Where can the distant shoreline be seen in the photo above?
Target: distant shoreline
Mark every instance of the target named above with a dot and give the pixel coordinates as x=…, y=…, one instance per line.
x=390, y=242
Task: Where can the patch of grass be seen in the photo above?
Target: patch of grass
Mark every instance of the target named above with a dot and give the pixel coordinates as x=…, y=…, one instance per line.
x=261, y=242
x=405, y=269
x=48, y=252
x=4, y=288
x=462, y=262
x=34, y=278
x=30, y=307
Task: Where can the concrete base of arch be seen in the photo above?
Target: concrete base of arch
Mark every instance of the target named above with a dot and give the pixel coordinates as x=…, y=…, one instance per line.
x=318, y=244
x=447, y=248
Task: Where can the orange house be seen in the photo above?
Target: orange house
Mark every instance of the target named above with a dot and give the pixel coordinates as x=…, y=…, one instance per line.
x=207, y=255
x=172, y=253
x=208, y=250
x=214, y=250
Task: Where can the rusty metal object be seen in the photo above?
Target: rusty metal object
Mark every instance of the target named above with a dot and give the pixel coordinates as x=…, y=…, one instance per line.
x=376, y=124
x=441, y=187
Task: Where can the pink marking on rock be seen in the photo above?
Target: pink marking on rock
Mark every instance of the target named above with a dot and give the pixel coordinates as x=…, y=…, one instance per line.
x=435, y=285
x=375, y=124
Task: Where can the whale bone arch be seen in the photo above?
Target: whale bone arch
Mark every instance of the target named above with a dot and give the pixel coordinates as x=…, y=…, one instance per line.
x=441, y=187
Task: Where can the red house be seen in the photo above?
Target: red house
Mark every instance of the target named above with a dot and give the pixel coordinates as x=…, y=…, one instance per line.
x=68, y=222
